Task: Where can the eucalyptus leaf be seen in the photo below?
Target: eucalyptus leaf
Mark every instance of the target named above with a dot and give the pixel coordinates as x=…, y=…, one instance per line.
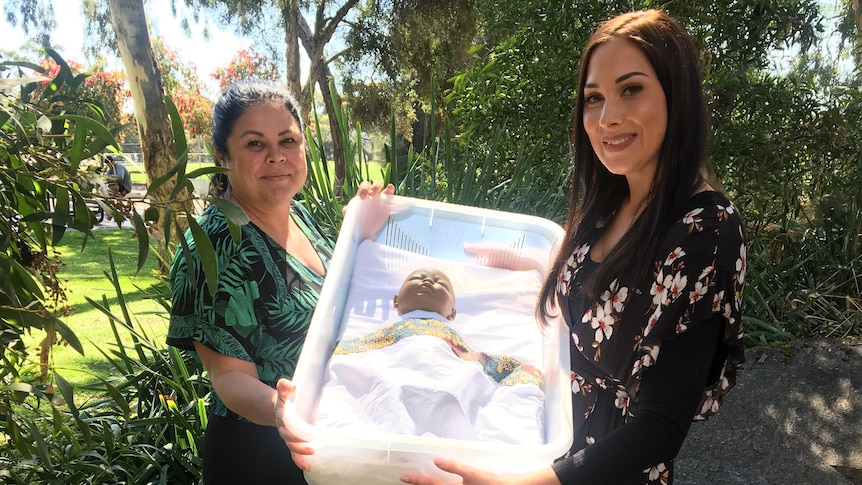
x=231, y=210
x=206, y=252
x=143, y=237
x=207, y=171
x=94, y=126
x=68, y=335
x=41, y=446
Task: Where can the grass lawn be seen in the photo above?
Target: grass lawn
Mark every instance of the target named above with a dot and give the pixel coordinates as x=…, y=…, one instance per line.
x=84, y=275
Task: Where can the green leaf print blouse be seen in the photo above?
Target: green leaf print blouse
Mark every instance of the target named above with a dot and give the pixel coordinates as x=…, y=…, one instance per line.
x=264, y=300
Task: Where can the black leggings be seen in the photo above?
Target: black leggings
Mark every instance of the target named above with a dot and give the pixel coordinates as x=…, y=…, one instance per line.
x=237, y=452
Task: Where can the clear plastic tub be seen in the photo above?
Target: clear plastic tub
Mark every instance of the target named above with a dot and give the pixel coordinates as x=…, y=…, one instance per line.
x=437, y=230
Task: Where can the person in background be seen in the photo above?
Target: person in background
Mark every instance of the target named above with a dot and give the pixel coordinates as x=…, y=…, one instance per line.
x=118, y=177
x=650, y=275
x=249, y=333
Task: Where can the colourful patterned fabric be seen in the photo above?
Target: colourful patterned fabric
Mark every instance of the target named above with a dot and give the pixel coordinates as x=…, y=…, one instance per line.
x=504, y=369
x=698, y=272
x=264, y=300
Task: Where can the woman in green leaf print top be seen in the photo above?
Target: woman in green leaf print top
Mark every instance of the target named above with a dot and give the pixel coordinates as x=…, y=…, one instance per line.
x=250, y=332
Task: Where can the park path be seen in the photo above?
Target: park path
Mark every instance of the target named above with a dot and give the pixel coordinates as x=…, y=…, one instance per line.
x=795, y=416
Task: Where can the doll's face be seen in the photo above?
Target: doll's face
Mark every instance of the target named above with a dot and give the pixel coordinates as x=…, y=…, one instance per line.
x=426, y=289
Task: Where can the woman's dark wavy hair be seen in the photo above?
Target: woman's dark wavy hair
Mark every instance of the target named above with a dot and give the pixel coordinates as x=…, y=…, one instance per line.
x=233, y=102
x=596, y=193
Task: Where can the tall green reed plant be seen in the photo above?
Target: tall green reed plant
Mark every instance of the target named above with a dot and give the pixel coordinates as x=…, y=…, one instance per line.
x=805, y=282
x=450, y=170
x=320, y=194
x=146, y=429
x=453, y=170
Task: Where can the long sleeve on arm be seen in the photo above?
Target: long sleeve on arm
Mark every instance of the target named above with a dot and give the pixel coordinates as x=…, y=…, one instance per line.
x=668, y=400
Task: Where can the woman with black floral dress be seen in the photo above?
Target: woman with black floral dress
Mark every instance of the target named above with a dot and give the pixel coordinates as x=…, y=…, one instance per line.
x=650, y=275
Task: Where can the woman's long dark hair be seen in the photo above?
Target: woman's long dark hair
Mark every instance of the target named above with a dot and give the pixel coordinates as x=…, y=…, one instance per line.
x=596, y=193
x=233, y=102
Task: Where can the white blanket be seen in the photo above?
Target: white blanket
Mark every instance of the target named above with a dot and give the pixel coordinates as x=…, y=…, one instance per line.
x=418, y=386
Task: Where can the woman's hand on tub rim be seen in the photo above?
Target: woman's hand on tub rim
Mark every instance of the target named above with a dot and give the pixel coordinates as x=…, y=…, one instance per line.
x=286, y=391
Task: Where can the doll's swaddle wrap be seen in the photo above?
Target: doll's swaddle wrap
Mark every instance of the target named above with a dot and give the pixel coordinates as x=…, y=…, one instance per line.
x=438, y=230
x=418, y=385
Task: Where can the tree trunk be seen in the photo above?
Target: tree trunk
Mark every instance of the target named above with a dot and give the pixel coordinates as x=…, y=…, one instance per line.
x=145, y=83
x=338, y=158
x=319, y=73
x=290, y=13
x=857, y=11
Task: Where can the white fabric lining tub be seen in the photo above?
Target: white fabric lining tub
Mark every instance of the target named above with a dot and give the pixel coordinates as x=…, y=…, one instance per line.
x=417, y=385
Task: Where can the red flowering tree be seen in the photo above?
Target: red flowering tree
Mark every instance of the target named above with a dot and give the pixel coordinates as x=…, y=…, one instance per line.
x=106, y=90
x=182, y=84
x=246, y=64
x=110, y=89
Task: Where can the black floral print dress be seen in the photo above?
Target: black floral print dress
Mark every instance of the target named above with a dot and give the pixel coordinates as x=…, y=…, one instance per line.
x=696, y=282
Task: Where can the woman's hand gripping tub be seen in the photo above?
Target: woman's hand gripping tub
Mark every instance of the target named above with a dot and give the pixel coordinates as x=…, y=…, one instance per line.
x=375, y=206
x=299, y=448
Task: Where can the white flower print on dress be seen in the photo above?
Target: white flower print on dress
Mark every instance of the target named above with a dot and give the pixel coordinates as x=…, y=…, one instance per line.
x=570, y=268
x=622, y=400
x=582, y=253
x=728, y=313
x=578, y=384
x=617, y=296
x=708, y=271
x=691, y=217
x=660, y=287
x=647, y=359
x=673, y=256
x=716, y=301
x=565, y=276
x=692, y=220
x=741, y=264
x=577, y=342
x=698, y=292
x=653, y=319
x=702, y=286
x=724, y=212
x=603, y=322
x=723, y=383
x=658, y=471
x=677, y=286
x=710, y=404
